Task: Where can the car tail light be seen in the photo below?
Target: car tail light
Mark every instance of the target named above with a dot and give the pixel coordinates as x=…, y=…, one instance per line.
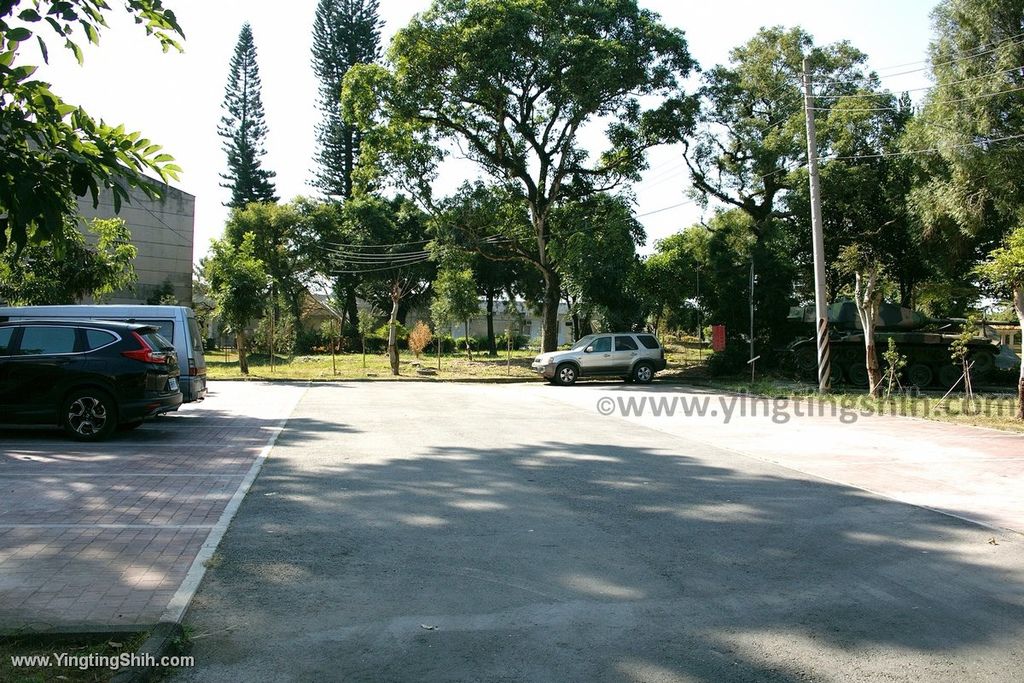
x=192, y=369
x=147, y=354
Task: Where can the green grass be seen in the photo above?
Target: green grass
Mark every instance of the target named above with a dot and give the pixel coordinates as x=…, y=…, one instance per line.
x=684, y=361
x=77, y=646
x=348, y=366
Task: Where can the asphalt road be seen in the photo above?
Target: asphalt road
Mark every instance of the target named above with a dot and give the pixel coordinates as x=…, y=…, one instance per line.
x=406, y=532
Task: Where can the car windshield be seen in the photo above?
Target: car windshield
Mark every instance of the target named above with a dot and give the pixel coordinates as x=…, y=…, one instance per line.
x=583, y=343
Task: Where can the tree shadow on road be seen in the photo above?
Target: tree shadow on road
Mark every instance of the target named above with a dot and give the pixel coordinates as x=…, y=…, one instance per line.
x=588, y=561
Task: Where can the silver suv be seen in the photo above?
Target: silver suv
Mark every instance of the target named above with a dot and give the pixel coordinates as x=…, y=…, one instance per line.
x=632, y=356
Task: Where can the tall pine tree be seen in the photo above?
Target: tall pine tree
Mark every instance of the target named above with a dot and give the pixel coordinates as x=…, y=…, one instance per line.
x=244, y=129
x=345, y=33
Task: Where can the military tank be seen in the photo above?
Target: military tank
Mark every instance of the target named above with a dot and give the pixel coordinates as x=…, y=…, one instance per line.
x=925, y=342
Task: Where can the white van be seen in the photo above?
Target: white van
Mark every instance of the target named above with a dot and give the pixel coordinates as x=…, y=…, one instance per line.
x=176, y=323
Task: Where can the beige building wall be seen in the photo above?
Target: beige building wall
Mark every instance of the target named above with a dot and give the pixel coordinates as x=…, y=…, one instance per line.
x=163, y=232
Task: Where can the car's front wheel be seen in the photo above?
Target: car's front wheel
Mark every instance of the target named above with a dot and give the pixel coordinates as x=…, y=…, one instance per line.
x=89, y=415
x=643, y=373
x=566, y=374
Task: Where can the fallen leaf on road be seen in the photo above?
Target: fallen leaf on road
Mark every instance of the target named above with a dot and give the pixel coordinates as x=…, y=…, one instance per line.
x=428, y=627
x=993, y=541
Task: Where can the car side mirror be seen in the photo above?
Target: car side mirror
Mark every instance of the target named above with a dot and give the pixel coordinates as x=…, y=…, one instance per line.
x=589, y=349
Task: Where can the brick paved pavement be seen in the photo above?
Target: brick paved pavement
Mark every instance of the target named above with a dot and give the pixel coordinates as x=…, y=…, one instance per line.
x=101, y=536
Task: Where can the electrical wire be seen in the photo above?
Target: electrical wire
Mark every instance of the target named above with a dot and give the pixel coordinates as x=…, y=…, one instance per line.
x=953, y=101
x=666, y=208
x=377, y=270
x=933, y=150
x=1006, y=42
x=931, y=87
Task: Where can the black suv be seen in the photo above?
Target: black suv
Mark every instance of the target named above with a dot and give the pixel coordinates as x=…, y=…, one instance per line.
x=88, y=376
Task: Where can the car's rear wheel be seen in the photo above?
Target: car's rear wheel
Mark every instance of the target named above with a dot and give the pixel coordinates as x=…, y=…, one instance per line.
x=89, y=415
x=643, y=373
x=566, y=374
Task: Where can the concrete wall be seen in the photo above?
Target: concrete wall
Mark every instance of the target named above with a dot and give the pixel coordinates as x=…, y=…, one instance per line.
x=163, y=232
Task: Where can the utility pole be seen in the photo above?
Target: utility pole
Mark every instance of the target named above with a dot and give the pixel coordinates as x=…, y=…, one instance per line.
x=820, y=304
x=753, y=358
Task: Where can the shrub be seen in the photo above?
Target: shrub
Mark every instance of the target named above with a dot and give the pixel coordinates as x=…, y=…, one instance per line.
x=731, y=361
x=519, y=341
x=460, y=343
x=284, y=335
x=419, y=337
x=446, y=342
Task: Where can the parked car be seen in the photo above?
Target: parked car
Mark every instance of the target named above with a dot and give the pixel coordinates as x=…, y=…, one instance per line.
x=176, y=323
x=88, y=377
x=633, y=356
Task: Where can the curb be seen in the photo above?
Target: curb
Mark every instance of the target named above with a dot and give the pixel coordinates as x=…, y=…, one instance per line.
x=165, y=639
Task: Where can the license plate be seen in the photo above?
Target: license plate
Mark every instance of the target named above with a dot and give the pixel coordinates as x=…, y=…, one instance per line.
x=172, y=384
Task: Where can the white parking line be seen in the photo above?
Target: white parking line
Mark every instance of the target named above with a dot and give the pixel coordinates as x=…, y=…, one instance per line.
x=183, y=596
x=111, y=475
x=107, y=526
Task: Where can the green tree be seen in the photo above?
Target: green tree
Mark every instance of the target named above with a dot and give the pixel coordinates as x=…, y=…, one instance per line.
x=455, y=299
x=723, y=255
x=53, y=151
x=594, y=242
x=750, y=139
x=366, y=324
x=385, y=249
x=466, y=228
x=43, y=277
x=861, y=261
x=345, y=33
x=244, y=128
x=970, y=196
x=671, y=274
x=274, y=228
x=515, y=83
x=238, y=283
x=163, y=295
x=750, y=130
x=1004, y=271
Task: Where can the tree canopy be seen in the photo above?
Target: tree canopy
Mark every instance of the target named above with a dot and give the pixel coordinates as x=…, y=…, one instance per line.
x=43, y=277
x=54, y=151
x=519, y=111
x=345, y=33
x=244, y=129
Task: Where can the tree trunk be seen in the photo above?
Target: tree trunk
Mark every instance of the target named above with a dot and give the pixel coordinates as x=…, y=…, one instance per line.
x=492, y=345
x=243, y=359
x=552, y=296
x=868, y=304
x=350, y=157
x=393, y=336
x=351, y=308
x=1018, y=305
x=469, y=351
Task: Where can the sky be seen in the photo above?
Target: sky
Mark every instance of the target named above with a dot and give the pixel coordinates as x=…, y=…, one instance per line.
x=175, y=99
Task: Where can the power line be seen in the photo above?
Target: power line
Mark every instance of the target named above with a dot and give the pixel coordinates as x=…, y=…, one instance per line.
x=933, y=150
x=674, y=206
x=376, y=246
x=930, y=87
x=953, y=101
x=377, y=270
x=1006, y=42
x=692, y=201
